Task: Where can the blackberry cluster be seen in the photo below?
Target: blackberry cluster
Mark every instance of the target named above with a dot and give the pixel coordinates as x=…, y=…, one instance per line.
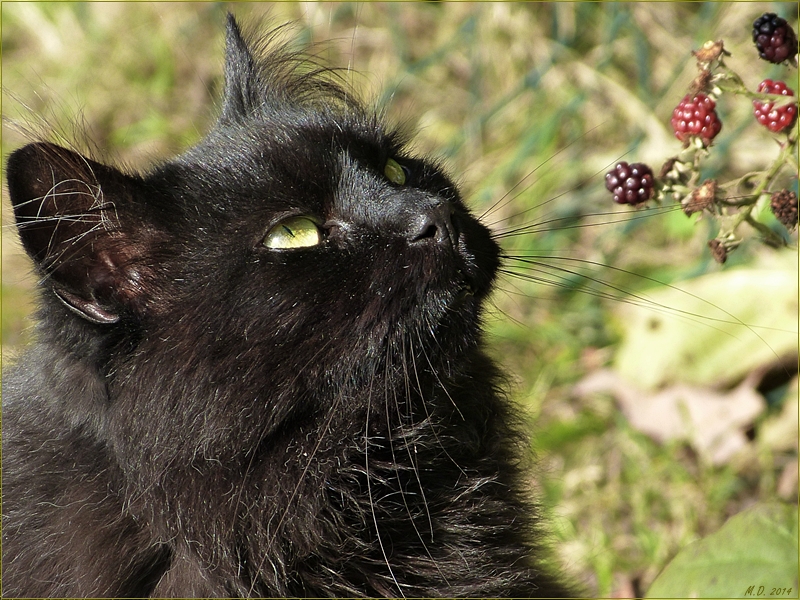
x=696, y=116
x=784, y=207
x=775, y=119
x=774, y=38
x=630, y=184
x=696, y=124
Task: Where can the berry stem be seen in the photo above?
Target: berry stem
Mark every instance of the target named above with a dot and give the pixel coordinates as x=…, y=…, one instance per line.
x=728, y=80
x=764, y=179
x=777, y=100
x=770, y=237
x=748, y=202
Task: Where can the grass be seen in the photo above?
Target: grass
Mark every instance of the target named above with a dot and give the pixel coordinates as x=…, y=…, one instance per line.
x=528, y=105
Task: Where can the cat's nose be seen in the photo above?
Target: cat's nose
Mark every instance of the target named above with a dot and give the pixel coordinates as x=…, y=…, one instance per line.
x=433, y=226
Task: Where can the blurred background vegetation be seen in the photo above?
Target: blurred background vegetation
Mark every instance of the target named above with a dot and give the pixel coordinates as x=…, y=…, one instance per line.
x=527, y=105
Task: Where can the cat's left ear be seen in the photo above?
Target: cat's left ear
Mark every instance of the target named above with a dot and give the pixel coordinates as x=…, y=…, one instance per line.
x=77, y=220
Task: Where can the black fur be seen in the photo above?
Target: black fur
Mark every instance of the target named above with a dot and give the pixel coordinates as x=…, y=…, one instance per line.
x=204, y=416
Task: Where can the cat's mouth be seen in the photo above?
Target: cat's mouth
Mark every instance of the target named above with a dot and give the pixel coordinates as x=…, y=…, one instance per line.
x=463, y=296
x=465, y=293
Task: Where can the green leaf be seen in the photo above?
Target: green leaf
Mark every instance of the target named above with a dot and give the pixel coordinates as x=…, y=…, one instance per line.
x=753, y=555
x=710, y=330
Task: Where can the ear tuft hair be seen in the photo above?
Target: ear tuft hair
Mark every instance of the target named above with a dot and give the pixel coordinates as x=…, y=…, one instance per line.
x=66, y=208
x=262, y=77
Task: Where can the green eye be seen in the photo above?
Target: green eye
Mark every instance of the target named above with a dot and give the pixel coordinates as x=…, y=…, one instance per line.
x=394, y=172
x=294, y=232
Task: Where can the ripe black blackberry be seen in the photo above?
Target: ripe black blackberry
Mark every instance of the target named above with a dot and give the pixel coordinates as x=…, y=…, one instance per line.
x=774, y=38
x=630, y=184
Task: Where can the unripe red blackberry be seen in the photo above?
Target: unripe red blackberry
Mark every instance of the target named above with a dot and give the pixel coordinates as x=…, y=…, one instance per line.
x=774, y=38
x=630, y=184
x=774, y=119
x=696, y=116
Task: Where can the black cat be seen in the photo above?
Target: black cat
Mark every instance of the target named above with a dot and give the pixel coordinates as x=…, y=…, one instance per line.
x=259, y=367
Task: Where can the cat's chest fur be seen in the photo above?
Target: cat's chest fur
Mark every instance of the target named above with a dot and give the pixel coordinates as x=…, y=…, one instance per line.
x=259, y=369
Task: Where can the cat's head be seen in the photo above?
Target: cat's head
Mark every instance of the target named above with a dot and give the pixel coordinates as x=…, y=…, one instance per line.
x=298, y=235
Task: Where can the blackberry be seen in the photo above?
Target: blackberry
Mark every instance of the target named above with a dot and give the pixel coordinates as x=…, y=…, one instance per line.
x=696, y=116
x=774, y=119
x=630, y=184
x=784, y=207
x=774, y=38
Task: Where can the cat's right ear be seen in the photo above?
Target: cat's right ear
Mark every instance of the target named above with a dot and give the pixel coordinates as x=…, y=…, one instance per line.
x=66, y=208
x=241, y=90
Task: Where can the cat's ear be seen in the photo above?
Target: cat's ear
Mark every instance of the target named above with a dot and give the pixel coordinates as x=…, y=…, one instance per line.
x=240, y=74
x=66, y=211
